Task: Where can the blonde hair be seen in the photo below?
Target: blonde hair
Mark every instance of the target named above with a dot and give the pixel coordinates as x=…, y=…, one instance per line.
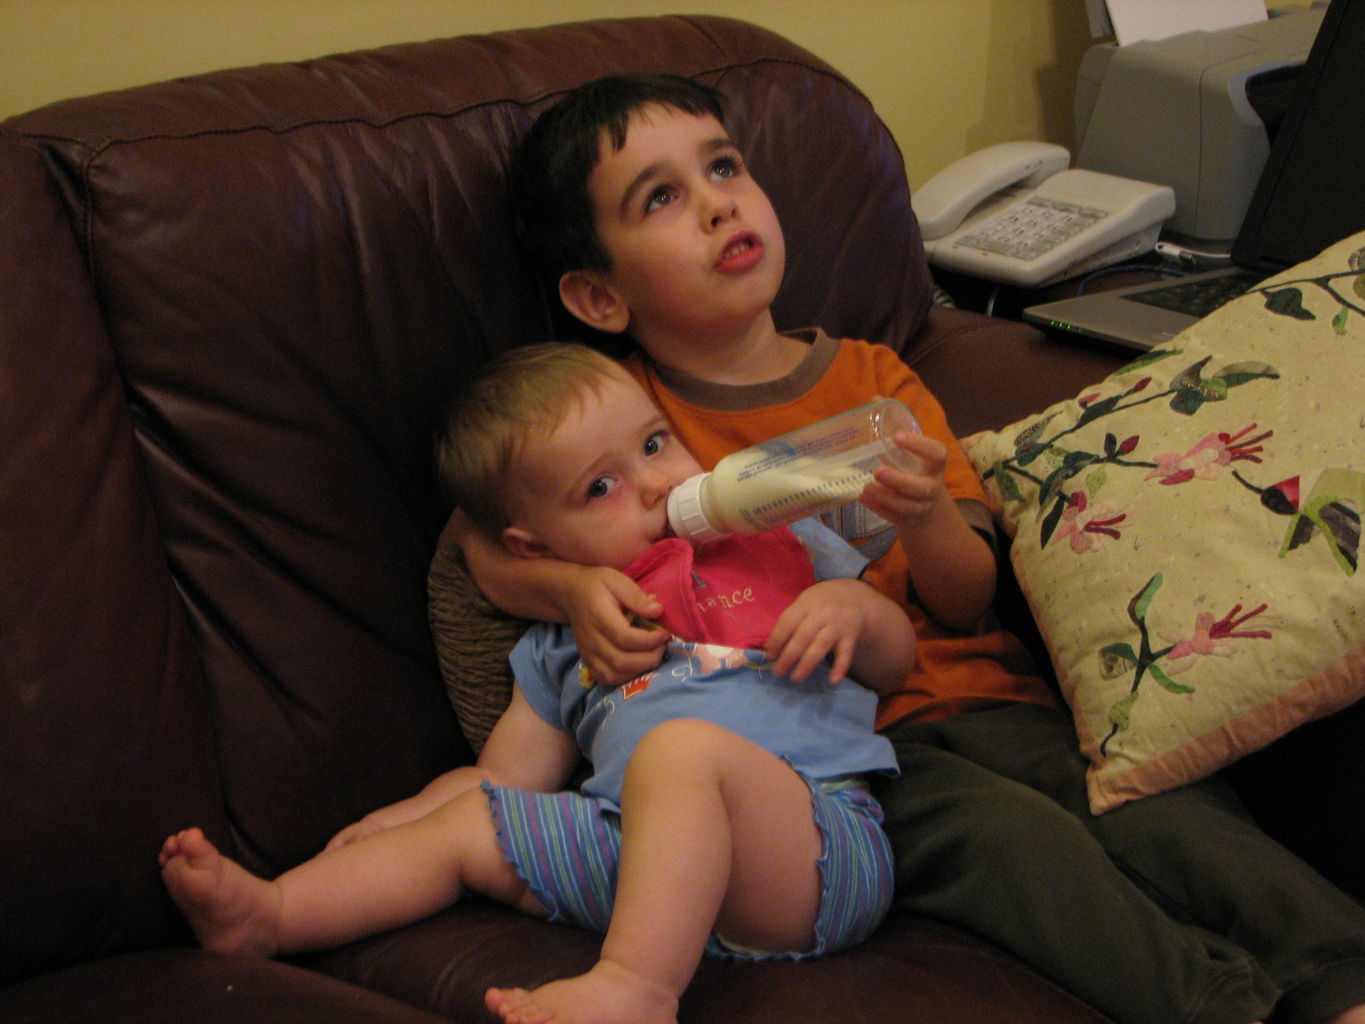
x=523, y=393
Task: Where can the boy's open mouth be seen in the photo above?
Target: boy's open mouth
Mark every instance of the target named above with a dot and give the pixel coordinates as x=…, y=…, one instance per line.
x=741, y=252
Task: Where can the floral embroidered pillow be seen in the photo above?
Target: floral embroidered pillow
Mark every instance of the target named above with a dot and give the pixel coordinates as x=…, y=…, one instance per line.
x=1187, y=532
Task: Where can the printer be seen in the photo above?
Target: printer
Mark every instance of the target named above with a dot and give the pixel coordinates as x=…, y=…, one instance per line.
x=1195, y=111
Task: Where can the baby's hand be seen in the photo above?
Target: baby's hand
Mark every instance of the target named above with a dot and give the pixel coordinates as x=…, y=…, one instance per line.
x=826, y=618
x=906, y=499
x=600, y=608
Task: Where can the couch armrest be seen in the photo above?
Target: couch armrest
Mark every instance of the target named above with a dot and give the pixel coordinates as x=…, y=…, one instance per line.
x=105, y=740
x=989, y=373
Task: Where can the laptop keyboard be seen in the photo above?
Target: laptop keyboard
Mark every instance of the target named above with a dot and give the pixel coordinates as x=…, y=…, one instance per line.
x=1198, y=298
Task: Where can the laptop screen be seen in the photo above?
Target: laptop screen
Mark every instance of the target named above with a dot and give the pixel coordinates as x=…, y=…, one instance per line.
x=1312, y=191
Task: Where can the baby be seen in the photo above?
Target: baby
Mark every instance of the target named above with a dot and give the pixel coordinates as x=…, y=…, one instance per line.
x=727, y=811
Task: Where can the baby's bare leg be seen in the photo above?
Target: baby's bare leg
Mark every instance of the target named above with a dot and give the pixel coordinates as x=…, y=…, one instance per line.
x=717, y=833
x=388, y=879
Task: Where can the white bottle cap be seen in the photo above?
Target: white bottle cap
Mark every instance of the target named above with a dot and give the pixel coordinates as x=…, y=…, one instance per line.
x=685, y=514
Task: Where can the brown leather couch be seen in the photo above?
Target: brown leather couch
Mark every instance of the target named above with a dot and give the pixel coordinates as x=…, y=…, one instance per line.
x=233, y=309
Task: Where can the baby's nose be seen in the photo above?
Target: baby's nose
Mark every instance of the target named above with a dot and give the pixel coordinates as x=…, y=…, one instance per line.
x=654, y=486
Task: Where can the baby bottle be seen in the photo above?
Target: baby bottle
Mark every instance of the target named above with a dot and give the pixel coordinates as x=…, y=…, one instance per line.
x=802, y=473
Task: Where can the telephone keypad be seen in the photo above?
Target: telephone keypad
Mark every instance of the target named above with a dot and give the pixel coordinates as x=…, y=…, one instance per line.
x=1033, y=228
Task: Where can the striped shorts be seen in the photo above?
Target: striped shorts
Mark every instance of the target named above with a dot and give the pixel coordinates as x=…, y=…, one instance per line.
x=566, y=848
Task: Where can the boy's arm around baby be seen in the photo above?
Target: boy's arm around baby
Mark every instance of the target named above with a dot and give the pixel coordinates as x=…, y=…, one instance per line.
x=600, y=604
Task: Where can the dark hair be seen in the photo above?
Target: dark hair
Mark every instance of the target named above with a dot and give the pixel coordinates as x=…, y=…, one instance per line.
x=548, y=177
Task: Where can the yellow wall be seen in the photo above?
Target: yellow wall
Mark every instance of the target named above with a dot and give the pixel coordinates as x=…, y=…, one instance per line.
x=948, y=76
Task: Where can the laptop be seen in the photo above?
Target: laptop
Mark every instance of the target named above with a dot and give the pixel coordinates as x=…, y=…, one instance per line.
x=1311, y=194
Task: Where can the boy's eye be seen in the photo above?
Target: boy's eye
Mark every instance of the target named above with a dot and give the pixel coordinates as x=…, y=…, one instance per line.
x=657, y=198
x=725, y=167
x=601, y=487
x=655, y=442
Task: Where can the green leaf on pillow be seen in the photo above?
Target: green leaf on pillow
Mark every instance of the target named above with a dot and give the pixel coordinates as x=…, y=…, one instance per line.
x=1239, y=373
x=1056, y=480
x=1004, y=479
x=1191, y=376
x=1026, y=445
x=1051, y=520
x=1121, y=713
x=1340, y=320
x=1333, y=506
x=1288, y=302
x=1167, y=683
x=1192, y=390
x=1096, y=409
x=1095, y=480
x=1142, y=600
x=1117, y=660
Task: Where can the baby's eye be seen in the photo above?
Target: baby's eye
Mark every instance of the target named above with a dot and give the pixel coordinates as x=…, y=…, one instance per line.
x=657, y=198
x=655, y=442
x=601, y=487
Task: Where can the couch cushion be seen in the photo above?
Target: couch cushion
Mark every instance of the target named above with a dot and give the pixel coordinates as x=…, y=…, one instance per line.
x=947, y=976
x=174, y=986
x=1187, y=532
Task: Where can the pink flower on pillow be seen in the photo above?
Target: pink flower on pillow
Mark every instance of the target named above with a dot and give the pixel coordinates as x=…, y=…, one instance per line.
x=1213, y=638
x=1206, y=460
x=1086, y=528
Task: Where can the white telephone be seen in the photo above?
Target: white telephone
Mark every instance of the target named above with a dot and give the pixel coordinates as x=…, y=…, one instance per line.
x=1013, y=213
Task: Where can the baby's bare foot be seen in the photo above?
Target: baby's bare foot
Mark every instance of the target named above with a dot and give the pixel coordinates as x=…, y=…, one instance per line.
x=1355, y=1015
x=607, y=994
x=229, y=909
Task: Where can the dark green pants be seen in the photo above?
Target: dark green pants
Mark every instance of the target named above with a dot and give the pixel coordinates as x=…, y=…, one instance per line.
x=1173, y=908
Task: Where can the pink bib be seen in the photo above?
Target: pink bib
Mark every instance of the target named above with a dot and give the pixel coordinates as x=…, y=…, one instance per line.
x=730, y=591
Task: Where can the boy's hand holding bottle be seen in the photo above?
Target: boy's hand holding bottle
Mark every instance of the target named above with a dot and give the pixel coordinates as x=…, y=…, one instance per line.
x=908, y=499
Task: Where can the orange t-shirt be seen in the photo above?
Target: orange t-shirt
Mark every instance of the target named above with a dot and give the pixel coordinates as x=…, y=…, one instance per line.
x=954, y=672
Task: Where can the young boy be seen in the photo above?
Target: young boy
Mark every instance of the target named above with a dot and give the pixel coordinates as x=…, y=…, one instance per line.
x=729, y=783
x=1172, y=908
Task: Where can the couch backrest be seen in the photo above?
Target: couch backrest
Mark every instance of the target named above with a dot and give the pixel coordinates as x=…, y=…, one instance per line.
x=226, y=503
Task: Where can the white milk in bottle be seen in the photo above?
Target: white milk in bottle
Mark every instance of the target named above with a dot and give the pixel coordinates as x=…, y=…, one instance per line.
x=802, y=473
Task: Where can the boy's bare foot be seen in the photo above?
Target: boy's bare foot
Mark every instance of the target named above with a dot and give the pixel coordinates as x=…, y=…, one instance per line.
x=1355, y=1015
x=607, y=994
x=229, y=909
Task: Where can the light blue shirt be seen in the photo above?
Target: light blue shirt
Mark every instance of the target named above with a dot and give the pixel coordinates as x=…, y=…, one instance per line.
x=823, y=731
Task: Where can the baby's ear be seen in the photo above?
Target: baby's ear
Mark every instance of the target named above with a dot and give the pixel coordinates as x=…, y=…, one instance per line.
x=588, y=296
x=523, y=543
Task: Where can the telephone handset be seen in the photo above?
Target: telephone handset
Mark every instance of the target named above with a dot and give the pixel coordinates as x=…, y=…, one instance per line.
x=1013, y=213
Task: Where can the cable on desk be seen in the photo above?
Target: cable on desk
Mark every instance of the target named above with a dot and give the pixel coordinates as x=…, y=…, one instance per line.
x=990, y=303
x=1122, y=268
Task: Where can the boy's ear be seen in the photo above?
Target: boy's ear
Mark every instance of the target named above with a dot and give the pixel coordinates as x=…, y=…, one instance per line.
x=589, y=297
x=522, y=543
